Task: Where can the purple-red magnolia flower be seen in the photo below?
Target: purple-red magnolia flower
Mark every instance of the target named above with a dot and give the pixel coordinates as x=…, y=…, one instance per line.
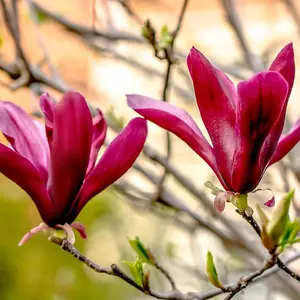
x=56, y=165
x=244, y=122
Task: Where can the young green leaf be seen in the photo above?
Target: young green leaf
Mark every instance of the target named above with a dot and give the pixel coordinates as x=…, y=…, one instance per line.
x=144, y=254
x=280, y=218
x=290, y=234
x=148, y=32
x=165, y=38
x=267, y=241
x=212, y=271
x=136, y=270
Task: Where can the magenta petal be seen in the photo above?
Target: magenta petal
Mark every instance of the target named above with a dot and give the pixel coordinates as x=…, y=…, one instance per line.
x=118, y=157
x=80, y=228
x=99, y=134
x=286, y=143
x=270, y=203
x=216, y=98
x=25, y=175
x=70, y=149
x=47, y=106
x=177, y=121
x=284, y=63
x=24, y=136
x=262, y=99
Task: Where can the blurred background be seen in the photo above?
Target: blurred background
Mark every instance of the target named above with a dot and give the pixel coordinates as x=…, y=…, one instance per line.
x=96, y=48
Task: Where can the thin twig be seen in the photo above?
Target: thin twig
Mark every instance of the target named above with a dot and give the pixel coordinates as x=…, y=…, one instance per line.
x=264, y=276
x=280, y=264
x=287, y=270
x=115, y=270
x=40, y=39
x=85, y=31
x=246, y=280
x=166, y=274
x=169, y=57
x=235, y=21
x=130, y=11
x=115, y=35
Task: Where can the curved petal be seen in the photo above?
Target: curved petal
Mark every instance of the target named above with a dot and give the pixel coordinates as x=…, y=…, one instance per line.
x=284, y=63
x=99, y=134
x=80, y=228
x=47, y=106
x=24, y=136
x=118, y=157
x=70, y=149
x=287, y=143
x=28, y=235
x=216, y=98
x=262, y=99
x=25, y=175
x=177, y=121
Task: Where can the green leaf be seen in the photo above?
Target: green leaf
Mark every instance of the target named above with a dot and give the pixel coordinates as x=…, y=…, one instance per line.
x=267, y=241
x=263, y=217
x=148, y=32
x=212, y=271
x=144, y=254
x=290, y=234
x=136, y=270
x=277, y=226
x=165, y=38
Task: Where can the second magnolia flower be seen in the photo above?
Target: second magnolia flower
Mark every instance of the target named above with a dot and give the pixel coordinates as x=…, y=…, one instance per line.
x=244, y=122
x=56, y=165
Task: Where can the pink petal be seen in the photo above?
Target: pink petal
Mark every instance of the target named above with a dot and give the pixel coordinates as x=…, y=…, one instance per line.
x=177, y=121
x=284, y=63
x=69, y=232
x=24, y=136
x=32, y=232
x=47, y=106
x=287, y=143
x=220, y=201
x=270, y=203
x=216, y=98
x=25, y=175
x=262, y=99
x=80, y=228
x=70, y=149
x=118, y=157
x=99, y=134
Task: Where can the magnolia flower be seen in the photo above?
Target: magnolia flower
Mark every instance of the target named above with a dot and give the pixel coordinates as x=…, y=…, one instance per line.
x=244, y=122
x=56, y=165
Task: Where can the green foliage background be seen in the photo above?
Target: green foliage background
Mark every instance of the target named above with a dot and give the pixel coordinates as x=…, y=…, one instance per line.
x=41, y=270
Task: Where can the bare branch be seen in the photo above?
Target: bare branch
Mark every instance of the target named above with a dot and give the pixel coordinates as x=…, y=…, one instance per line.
x=115, y=35
x=235, y=21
